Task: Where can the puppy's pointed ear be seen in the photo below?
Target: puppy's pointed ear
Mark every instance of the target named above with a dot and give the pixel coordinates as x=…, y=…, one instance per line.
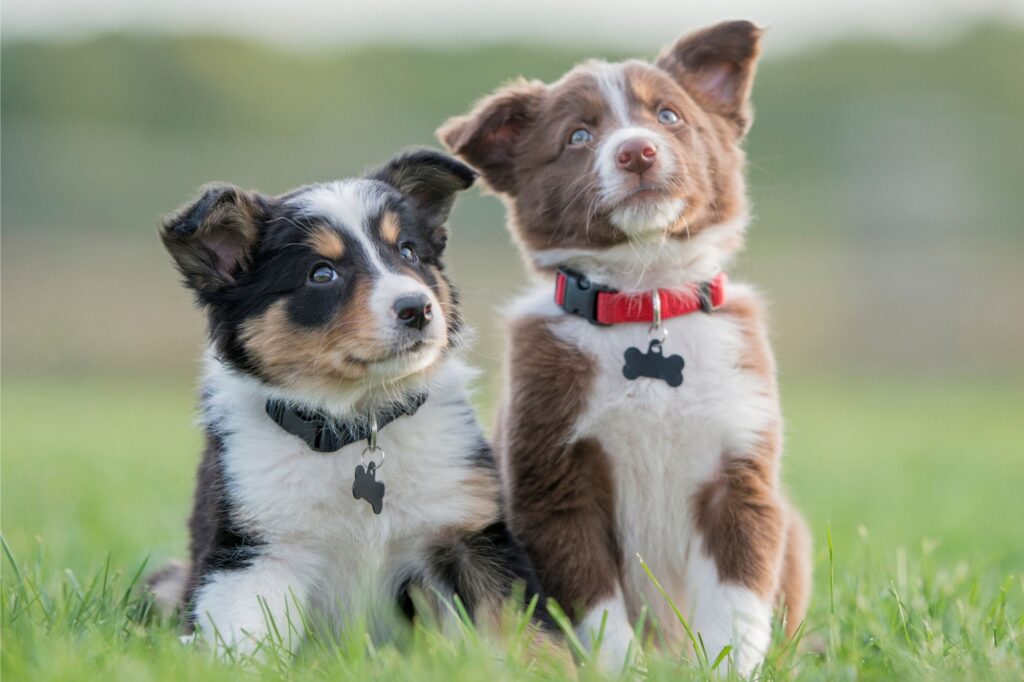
x=486, y=137
x=430, y=179
x=716, y=66
x=212, y=238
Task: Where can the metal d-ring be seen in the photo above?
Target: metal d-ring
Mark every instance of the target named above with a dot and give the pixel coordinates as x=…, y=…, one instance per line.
x=371, y=440
x=656, y=326
x=371, y=445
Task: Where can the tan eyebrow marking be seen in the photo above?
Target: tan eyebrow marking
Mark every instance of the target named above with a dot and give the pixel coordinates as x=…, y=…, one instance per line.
x=389, y=227
x=328, y=243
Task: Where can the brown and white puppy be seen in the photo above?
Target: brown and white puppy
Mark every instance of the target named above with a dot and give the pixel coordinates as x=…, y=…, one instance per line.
x=632, y=175
x=329, y=312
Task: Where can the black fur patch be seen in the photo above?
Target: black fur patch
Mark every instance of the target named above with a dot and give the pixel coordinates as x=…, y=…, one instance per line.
x=218, y=541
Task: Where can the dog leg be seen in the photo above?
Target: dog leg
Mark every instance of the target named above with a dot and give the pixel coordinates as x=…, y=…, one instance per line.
x=570, y=535
x=251, y=609
x=734, y=577
x=727, y=614
x=561, y=493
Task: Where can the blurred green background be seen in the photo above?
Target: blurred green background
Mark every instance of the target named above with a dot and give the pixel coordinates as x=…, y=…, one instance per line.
x=887, y=185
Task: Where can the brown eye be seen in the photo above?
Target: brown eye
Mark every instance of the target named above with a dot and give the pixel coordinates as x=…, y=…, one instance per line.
x=322, y=274
x=668, y=117
x=408, y=252
x=580, y=136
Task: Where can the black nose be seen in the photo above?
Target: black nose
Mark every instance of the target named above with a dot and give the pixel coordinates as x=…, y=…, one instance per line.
x=413, y=311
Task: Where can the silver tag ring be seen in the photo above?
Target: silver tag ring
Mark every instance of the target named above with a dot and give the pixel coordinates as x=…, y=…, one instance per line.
x=656, y=326
x=373, y=450
x=371, y=440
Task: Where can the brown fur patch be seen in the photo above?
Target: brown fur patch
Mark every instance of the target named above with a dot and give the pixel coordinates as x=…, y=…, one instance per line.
x=327, y=243
x=333, y=353
x=390, y=227
x=742, y=521
x=756, y=355
x=562, y=498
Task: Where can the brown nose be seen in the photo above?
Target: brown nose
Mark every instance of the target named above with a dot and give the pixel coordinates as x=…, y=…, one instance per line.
x=636, y=155
x=414, y=311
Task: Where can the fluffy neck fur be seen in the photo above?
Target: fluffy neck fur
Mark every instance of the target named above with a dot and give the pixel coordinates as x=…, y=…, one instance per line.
x=655, y=260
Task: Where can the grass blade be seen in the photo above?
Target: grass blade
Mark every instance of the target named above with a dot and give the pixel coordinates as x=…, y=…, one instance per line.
x=698, y=646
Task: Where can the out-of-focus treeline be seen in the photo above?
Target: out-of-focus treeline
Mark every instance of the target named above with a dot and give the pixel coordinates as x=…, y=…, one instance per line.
x=887, y=182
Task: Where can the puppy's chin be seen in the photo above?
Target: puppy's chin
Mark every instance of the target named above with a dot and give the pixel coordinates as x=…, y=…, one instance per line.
x=381, y=381
x=413, y=362
x=641, y=215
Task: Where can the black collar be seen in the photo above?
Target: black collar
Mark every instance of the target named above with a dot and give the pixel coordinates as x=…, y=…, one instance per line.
x=324, y=433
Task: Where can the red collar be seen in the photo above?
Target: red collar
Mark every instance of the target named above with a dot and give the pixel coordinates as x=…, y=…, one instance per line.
x=602, y=305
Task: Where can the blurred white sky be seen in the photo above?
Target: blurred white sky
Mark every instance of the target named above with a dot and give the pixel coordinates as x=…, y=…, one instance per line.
x=641, y=24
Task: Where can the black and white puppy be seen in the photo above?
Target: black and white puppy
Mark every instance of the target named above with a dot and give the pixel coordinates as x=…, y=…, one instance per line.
x=331, y=331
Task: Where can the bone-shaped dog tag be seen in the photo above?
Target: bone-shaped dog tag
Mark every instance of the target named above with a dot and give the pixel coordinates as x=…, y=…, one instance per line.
x=367, y=487
x=653, y=365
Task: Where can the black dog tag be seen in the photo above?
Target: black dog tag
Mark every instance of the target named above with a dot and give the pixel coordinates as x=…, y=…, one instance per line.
x=367, y=487
x=653, y=365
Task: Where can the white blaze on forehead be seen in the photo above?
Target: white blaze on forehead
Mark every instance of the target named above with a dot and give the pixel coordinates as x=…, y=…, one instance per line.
x=615, y=185
x=349, y=205
x=611, y=80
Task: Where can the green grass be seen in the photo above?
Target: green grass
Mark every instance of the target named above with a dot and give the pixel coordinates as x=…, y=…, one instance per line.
x=913, y=494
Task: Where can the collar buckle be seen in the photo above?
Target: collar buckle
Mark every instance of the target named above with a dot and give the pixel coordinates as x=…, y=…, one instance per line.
x=578, y=295
x=706, y=296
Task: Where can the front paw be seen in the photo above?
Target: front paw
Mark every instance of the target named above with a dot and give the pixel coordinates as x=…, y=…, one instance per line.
x=747, y=636
x=617, y=653
x=612, y=648
x=231, y=642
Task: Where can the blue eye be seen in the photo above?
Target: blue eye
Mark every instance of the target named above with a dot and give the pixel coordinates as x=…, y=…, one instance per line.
x=408, y=252
x=322, y=274
x=668, y=117
x=580, y=136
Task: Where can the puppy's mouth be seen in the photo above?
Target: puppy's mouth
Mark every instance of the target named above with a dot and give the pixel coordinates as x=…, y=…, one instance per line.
x=414, y=347
x=644, y=191
x=403, y=350
x=646, y=208
x=411, y=355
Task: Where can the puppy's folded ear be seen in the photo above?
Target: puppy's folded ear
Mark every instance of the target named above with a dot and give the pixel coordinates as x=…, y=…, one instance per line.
x=212, y=238
x=430, y=179
x=487, y=136
x=716, y=66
